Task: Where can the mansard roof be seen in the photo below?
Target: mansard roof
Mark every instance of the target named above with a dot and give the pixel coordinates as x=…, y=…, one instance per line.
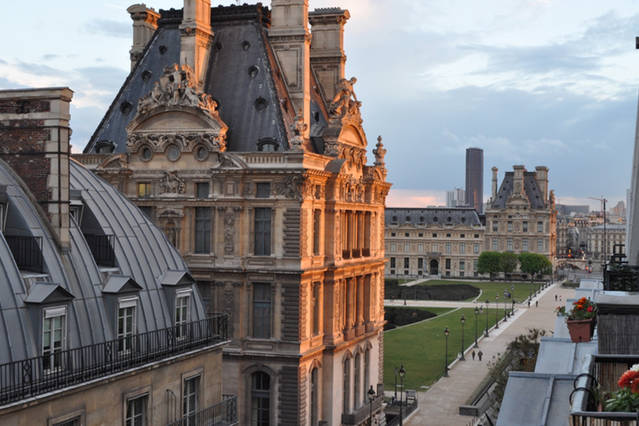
x=141, y=252
x=243, y=78
x=533, y=192
x=431, y=216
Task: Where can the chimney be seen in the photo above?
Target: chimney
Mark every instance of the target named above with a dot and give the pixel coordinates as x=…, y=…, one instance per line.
x=145, y=22
x=541, y=176
x=494, y=183
x=34, y=141
x=327, y=47
x=518, y=180
x=291, y=40
x=196, y=37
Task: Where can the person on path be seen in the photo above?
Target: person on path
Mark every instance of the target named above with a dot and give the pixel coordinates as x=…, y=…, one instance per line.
x=473, y=354
x=536, y=303
x=555, y=297
x=480, y=354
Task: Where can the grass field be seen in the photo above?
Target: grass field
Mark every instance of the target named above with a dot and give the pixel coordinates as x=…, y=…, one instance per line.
x=420, y=346
x=491, y=289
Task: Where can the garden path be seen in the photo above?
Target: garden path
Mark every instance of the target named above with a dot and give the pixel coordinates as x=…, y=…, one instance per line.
x=439, y=405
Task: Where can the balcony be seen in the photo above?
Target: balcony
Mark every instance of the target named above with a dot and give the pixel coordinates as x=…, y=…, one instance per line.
x=362, y=413
x=221, y=414
x=35, y=376
x=102, y=249
x=27, y=252
x=604, y=371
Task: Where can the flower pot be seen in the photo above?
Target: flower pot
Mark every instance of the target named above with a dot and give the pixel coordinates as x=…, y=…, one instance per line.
x=580, y=330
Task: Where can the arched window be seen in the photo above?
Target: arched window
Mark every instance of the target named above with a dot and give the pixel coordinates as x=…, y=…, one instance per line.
x=357, y=383
x=314, y=396
x=260, y=399
x=347, y=386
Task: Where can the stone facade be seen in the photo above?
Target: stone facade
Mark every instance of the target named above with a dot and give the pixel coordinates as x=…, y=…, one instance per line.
x=521, y=216
x=614, y=234
x=434, y=241
x=286, y=237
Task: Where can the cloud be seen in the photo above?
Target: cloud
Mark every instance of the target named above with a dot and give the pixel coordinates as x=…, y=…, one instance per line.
x=109, y=27
x=415, y=198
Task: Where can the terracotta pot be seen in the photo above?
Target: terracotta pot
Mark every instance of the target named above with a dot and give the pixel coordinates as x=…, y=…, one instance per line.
x=580, y=330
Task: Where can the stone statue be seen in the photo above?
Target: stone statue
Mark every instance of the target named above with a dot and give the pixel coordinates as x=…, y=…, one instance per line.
x=229, y=231
x=379, y=152
x=172, y=184
x=298, y=127
x=345, y=100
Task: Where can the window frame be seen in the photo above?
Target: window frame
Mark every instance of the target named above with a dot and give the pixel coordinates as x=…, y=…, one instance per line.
x=262, y=324
x=50, y=313
x=202, y=228
x=147, y=191
x=265, y=235
x=182, y=313
x=131, y=398
x=260, y=394
x=199, y=186
x=187, y=409
x=122, y=335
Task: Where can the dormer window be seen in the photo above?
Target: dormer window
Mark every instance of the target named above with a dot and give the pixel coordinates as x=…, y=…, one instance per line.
x=3, y=212
x=54, y=336
x=126, y=323
x=268, y=145
x=76, y=208
x=182, y=313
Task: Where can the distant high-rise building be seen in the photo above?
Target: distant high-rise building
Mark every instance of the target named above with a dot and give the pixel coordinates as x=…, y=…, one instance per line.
x=456, y=198
x=475, y=179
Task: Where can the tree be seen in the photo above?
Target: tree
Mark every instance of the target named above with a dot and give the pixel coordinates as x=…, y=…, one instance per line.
x=508, y=262
x=533, y=264
x=489, y=262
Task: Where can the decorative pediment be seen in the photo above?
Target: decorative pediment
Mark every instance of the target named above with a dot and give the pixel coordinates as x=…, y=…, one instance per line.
x=175, y=115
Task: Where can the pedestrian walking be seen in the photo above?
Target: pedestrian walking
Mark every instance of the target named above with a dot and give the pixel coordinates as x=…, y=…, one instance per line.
x=529, y=303
x=536, y=303
x=480, y=354
x=555, y=297
x=473, y=354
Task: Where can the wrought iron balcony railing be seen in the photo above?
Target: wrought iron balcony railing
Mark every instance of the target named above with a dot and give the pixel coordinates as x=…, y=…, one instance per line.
x=223, y=413
x=46, y=373
x=27, y=252
x=102, y=249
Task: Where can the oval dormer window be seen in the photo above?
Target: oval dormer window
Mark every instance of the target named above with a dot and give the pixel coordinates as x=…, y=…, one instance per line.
x=173, y=153
x=146, y=154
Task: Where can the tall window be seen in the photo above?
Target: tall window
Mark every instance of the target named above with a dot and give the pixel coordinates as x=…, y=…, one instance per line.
x=314, y=397
x=136, y=411
x=144, y=189
x=347, y=386
x=540, y=246
x=316, y=308
x=462, y=248
x=510, y=226
x=495, y=226
x=462, y=265
x=126, y=324
x=53, y=337
x=448, y=246
x=475, y=248
x=357, y=383
x=181, y=314
x=317, y=215
x=524, y=226
x=420, y=263
x=509, y=244
x=260, y=399
x=447, y=263
x=190, y=400
x=203, y=230
x=262, y=310
x=202, y=189
x=392, y=262
x=262, y=231
x=262, y=190
x=495, y=244
x=524, y=245
x=540, y=226
x=406, y=262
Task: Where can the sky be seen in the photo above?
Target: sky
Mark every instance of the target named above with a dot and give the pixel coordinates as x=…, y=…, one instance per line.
x=532, y=82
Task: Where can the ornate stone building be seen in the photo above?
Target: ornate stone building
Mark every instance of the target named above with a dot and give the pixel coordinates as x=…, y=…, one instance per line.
x=614, y=234
x=239, y=135
x=521, y=216
x=100, y=321
x=433, y=241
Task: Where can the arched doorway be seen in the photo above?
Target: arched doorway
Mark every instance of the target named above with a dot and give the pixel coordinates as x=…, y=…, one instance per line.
x=434, y=267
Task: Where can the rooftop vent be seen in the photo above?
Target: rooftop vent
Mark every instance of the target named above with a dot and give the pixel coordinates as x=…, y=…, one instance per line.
x=163, y=49
x=253, y=71
x=146, y=75
x=246, y=45
x=260, y=104
x=126, y=107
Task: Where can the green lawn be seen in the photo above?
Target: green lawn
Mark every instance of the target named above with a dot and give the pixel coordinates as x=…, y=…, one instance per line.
x=492, y=289
x=420, y=347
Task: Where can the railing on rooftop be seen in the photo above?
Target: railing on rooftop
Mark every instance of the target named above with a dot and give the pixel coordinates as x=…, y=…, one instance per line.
x=604, y=372
x=102, y=249
x=27, y=252
x=46, y=373
x=221, y=414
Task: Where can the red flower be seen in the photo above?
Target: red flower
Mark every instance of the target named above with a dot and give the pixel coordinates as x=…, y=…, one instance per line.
x=629, y=379
x=589, y=309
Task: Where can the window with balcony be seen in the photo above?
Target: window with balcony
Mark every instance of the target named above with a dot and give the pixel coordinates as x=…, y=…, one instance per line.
x=126, y=324
x=182, y=314
x=262, y=230
x=262, y=310
x=54, y=323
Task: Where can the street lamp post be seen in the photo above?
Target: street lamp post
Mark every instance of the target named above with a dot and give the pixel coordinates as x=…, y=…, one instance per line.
x=396, y=371
x=505, y=310
x=446, y=333
x=486, y=332
x=477, y=312
x=512, y=311
x=496, y=311
x=371, y=398
x=402, y=371
x=463, y=321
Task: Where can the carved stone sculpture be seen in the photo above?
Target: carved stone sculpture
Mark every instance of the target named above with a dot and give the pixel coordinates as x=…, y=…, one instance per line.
x=379, y=153
x=172, y=184
x=298, y=127
x=289, y=187
x=345, y=101
x=229, y=231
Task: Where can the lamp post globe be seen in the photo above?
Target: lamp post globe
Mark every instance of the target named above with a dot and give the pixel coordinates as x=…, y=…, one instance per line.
x=463, y=321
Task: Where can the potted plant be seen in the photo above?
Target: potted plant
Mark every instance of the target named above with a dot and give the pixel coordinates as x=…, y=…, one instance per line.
x=627, y=398
x=580, y=320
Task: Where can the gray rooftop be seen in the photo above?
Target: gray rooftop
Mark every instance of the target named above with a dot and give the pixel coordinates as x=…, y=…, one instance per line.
x=432, y=216
x=530, y=186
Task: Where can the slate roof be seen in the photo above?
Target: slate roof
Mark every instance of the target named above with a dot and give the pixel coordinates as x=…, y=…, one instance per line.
x=533, y=191
x=141, y=252
x=243, y=77
x=431, y=216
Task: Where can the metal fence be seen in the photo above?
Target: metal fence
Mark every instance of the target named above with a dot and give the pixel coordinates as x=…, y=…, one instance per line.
x=102, y=249
x=27, y=252
x=221, y=414
x=60, y=369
